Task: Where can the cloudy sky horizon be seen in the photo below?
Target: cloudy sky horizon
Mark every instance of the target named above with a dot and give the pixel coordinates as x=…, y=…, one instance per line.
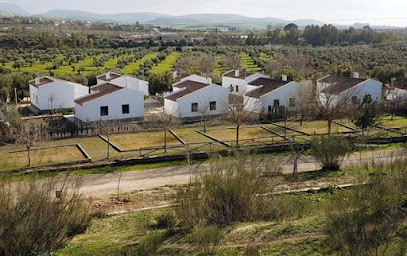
x=377, y=12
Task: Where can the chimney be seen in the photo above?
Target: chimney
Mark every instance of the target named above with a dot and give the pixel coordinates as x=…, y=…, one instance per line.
x=108, y=76
x=175, y=74
x=37, y=80
x=209, y=80
x=237, y=73
x=356, y=75
x=284, y=78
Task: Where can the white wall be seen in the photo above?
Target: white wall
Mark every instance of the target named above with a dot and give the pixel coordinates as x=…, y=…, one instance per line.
x=130, y=82
x=90, y=110
x=242, y=84
x=182, y=107
x=196, y=78
x=282, y=94
x=396, y=94
x=62, y=93
x=370, y=86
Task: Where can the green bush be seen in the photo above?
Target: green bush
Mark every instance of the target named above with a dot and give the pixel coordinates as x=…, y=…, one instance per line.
x=330, y=151
x=205, y=239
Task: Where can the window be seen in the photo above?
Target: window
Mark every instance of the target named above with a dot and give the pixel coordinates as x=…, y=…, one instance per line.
x=237, y=88
x=276, y=103
x=292, y=102
x=194, y=107
x=104, y=111
x=269, y=109
x=125, y=109
x=355, y=100
x=36, y=99
x=231, y=88
x=212, y=105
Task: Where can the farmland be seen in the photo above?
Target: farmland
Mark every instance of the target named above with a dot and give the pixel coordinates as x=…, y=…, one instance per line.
x=167, y=64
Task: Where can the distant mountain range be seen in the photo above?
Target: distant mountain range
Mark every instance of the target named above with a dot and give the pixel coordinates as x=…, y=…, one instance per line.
x=148, y=17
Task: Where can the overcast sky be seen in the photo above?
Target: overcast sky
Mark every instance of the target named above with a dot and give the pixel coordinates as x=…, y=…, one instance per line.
x=384, y=12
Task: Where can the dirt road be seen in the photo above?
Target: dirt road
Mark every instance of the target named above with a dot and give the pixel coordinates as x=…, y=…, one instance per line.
x=100, y=185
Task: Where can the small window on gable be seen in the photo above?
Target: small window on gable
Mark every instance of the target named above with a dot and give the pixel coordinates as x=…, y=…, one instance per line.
x=104, y=111
x=276, y=103
x=194, y=107
x=292, y=102
x=212, y=105
x=237, y=88
x=125, y=109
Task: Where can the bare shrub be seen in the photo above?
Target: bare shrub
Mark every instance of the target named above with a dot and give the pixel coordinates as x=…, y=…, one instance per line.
x=251, y=250
x=226, y=193
x=330, y=151
x=33, y=221
x=366, y=219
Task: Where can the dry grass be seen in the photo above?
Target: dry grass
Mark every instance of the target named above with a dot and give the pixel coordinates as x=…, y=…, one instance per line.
x=9, y=160
x=189, y=135
x=315, y=127
x=258, y=134
x=142, y=140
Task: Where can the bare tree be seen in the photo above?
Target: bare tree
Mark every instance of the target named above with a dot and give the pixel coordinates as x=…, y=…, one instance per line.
x=332, y=105
x=204, y=110
x=300, y=102
x=27, y=135
x=107, y=128
x=233, y=61
x=206, y=64
x=166, y=122
x=240, y=111
x=395, y=99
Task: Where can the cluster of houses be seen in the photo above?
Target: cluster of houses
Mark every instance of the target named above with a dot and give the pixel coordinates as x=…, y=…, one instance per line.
x=117, y=96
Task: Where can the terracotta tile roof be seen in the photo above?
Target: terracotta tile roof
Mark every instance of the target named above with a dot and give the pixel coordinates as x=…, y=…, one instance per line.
x=339, y=83
x=267, y=85
x=242, y=74
x=190, y=87
x=43, y=80
x=99, y=91
x=112, y=77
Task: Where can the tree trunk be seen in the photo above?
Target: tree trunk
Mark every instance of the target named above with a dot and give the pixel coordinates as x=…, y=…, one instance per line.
x=165, y=141
x=108, y=147
x=295, y=171
x=29, y=157
x=329, y=126
x=237, y=135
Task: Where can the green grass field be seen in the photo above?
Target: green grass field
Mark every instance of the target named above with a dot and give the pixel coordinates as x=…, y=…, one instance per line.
x=131, y=67
x=248, y=63
x=167, y=64
x=314, y=127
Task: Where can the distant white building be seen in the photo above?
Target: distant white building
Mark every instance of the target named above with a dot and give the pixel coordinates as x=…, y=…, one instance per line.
x=267, y=94
x=190, y=99
x=110, y=102
x=236, y=81
x=48, y=93
x=335, y=89
x=123, y=81
x=395, y=93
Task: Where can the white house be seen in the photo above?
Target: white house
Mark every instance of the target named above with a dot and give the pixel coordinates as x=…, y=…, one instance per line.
x=269, y=94
x=236, y=81
x=334, y=89
x=110, y=102
x=191, y=99
x=48, y=93
x=123, y=81
x=396, y=92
